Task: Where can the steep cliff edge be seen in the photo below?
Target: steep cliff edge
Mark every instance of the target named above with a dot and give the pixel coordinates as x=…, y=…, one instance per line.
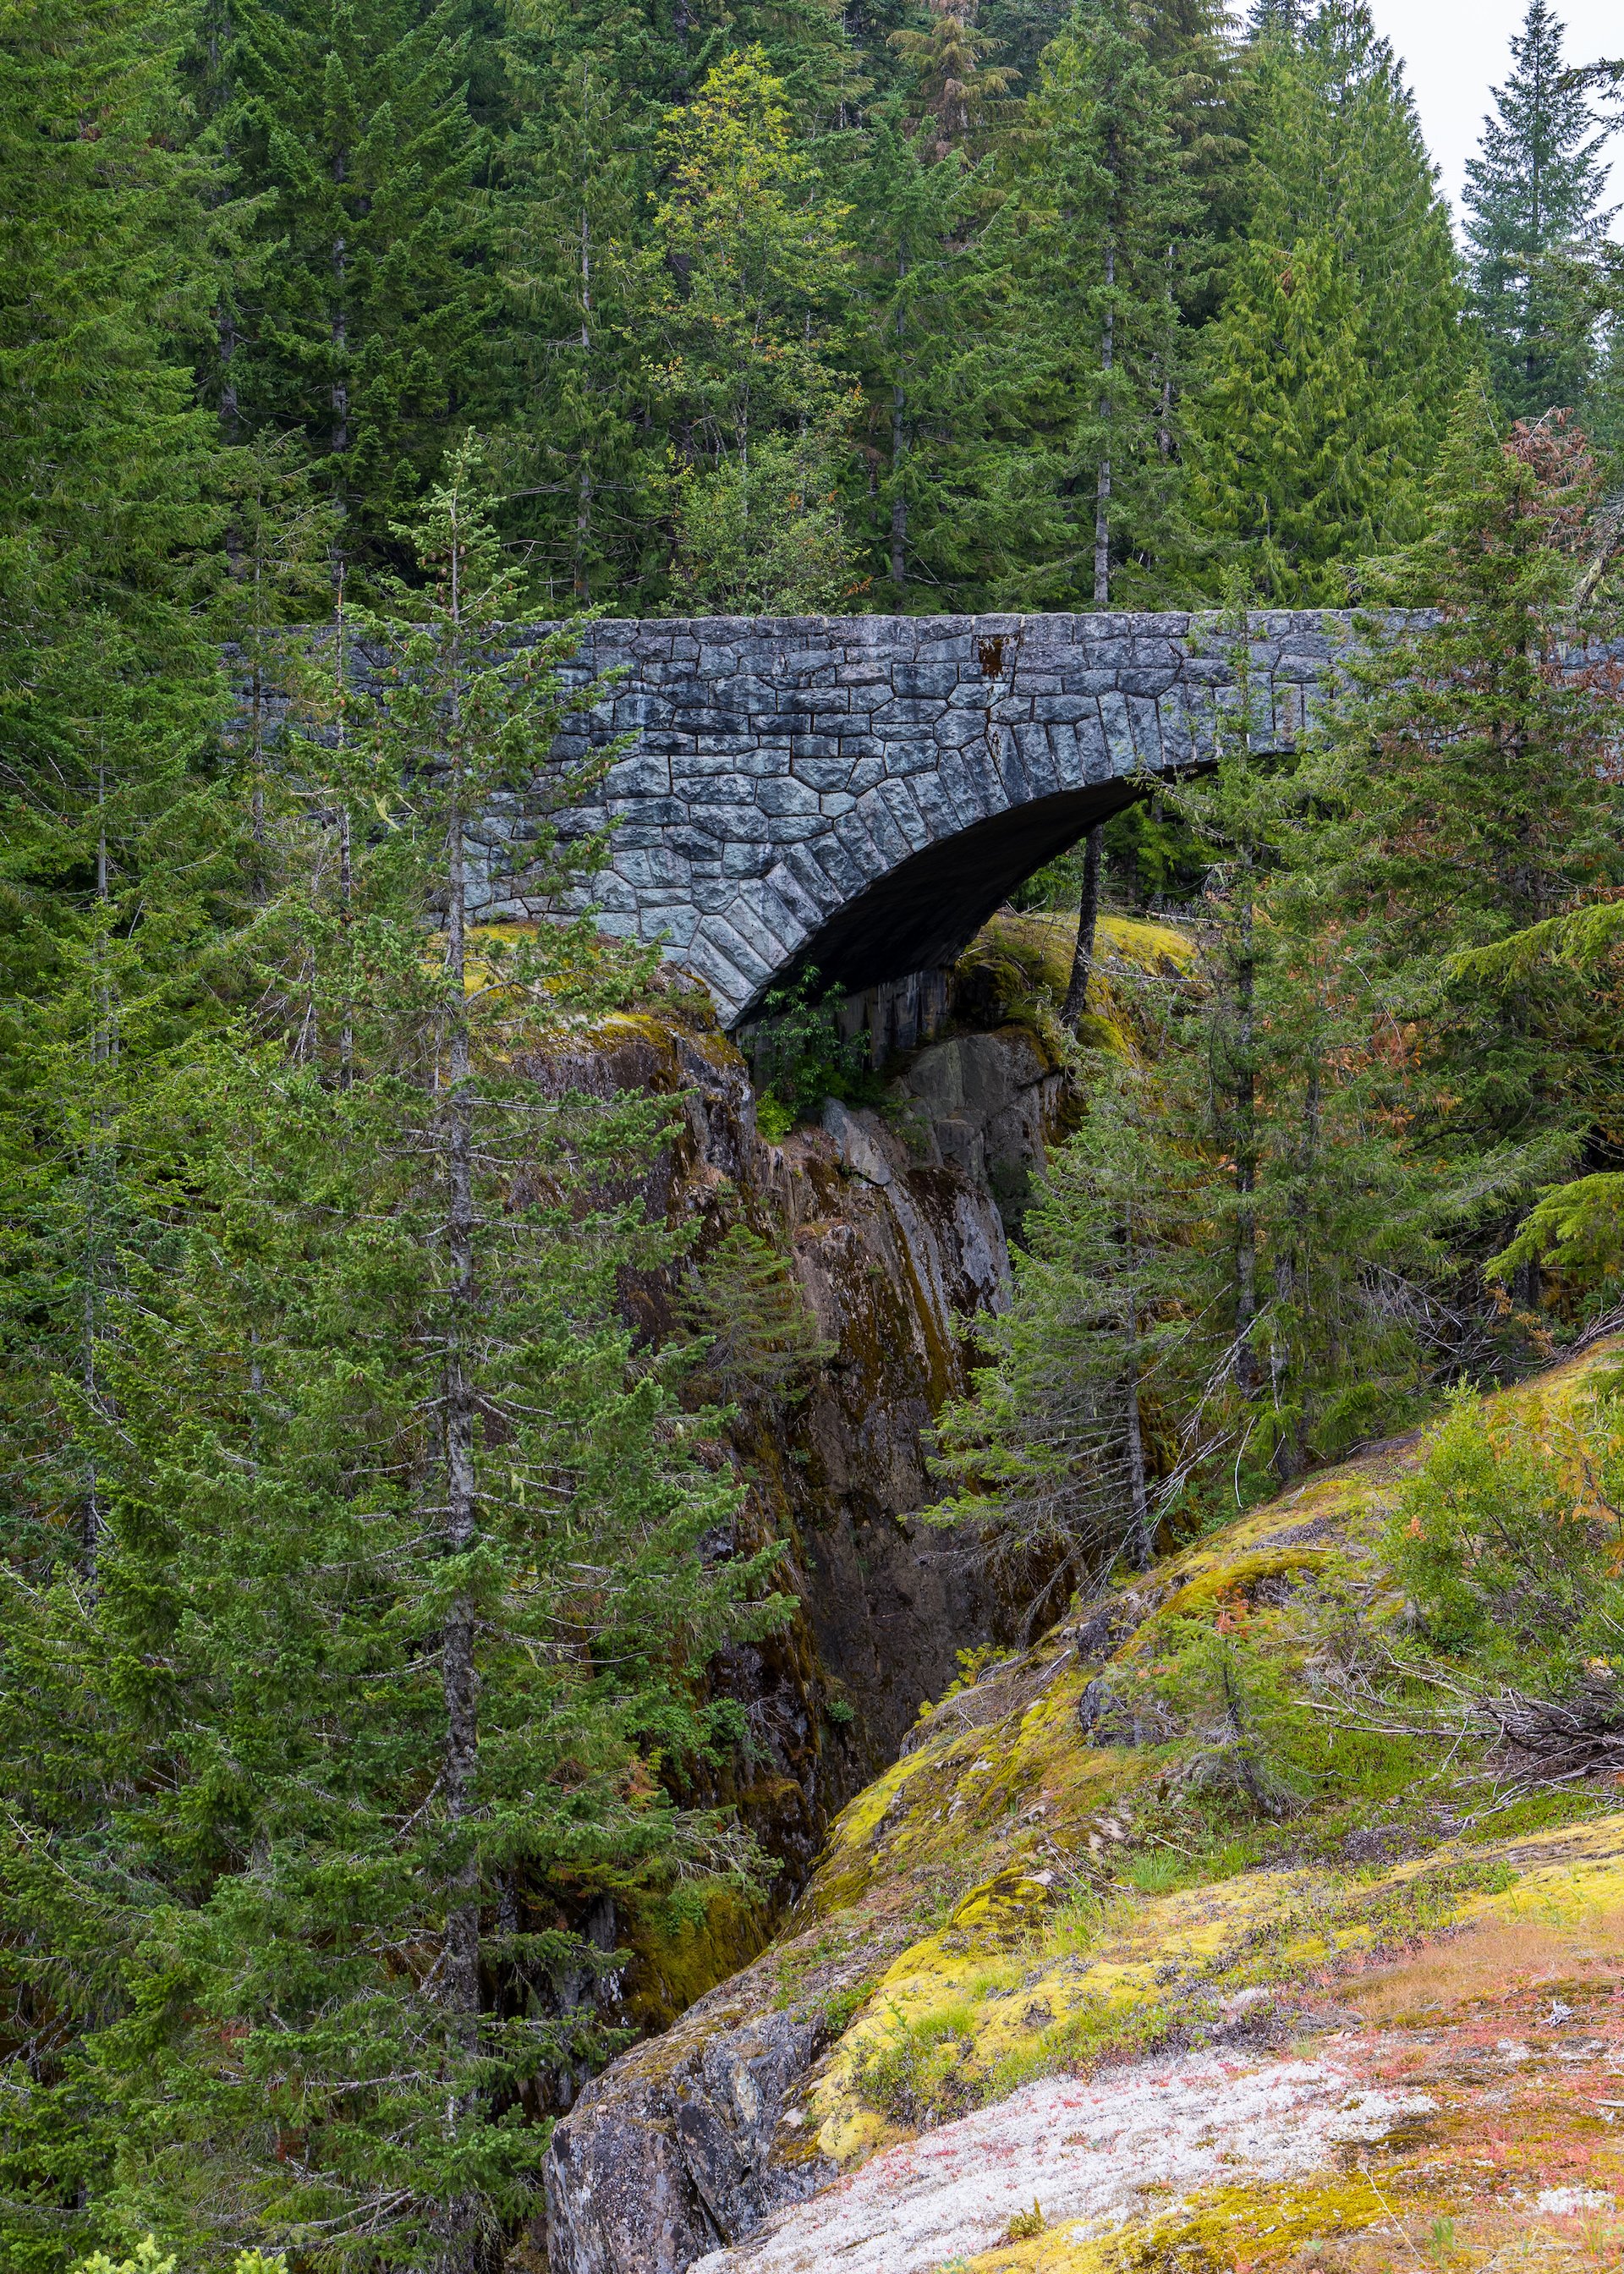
x=890, y=1225
x=1100, y=1974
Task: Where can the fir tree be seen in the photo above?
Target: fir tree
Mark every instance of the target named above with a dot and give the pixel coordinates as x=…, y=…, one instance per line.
x=958, y=90
x=115, y=858
x=1464, y=759
x=1052, y=1454
x=1532, y=204
x=399, y=1603
x=1293, y=458
x=572, y=205
x=1322, y=395
x=919, y=298
x=741, y=283
x=364, y=299
x=1101, y=233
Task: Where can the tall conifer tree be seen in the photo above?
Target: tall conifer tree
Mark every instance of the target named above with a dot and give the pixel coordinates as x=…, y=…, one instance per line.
x=1101, y=235
x=1324, y=382
x=398, y=1602
x=362, y=293
x=1533, y=196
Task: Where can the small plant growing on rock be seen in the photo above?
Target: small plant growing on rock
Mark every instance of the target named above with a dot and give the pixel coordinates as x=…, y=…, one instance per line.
x=800, y=1058
x=761, y=1339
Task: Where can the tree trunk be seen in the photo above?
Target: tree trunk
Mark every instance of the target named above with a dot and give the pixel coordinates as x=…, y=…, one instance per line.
x=1103, y=481
x=1087, y=923
x=460, y=1682
x=1291, y=1287
x=1245, y=1157
x=898, y=444
x=1140, y=1541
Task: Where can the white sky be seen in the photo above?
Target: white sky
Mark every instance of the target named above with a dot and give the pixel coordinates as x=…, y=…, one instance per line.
x=1454, y=51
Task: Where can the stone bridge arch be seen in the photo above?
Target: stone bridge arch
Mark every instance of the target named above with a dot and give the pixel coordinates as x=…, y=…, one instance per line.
x=861, y=793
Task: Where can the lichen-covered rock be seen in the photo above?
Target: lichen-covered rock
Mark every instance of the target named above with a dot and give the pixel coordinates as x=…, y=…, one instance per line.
x=665, y=2163
x=1432, y=2007
x=694, y=2138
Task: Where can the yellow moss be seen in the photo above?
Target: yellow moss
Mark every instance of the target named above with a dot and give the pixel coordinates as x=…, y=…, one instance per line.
x=984, y=1808
x=679, y=1963
x=1217, y=2230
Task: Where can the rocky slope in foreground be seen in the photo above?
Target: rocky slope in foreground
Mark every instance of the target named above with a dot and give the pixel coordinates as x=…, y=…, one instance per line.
x=1079, y=1985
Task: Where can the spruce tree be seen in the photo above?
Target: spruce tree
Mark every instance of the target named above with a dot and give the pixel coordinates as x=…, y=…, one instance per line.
x=1532, y=204
x=1101, y=235
x=1465, y=757
x=572, y=213
x=921, y=299
x=741, y=284
x=112, y=843
x=1324, y=381
x=400, y=1607
x=1052, y=1455
x=361, y=290
x=1295, y=454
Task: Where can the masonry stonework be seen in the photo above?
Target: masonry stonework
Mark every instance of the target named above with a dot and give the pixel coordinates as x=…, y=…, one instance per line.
x=858, y=794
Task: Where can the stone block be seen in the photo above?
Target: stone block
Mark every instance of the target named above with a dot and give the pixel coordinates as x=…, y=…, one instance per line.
x=707, y=958
x=753, y=914
x=911, y=711
x=964, y=774
x=641, y=774
x=678, y=925
x=786, y=795
x=928, y=794
x=891, y=840
x=708, y=764
x=711, y=719
x=809, y=901
x=839, y=863
x=904, y=811
x=958, y=729
x=744, y=824
x=1146, y=729
x=1043, y=776
x=651, y=866
x=746, y=861
x=824, y=773
x=1118, y=734
x=925, y=679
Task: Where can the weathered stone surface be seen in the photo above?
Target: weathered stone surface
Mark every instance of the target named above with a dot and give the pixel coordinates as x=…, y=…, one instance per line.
x=692, y=2140
x=926, y=764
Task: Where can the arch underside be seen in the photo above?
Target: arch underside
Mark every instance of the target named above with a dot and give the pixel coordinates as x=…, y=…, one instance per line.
x=923, y=913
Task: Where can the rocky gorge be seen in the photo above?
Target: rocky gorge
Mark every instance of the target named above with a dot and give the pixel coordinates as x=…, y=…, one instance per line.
x=1012, y=2010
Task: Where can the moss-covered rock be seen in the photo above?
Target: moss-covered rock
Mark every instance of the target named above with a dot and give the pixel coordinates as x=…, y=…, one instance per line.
x=1028, y=1906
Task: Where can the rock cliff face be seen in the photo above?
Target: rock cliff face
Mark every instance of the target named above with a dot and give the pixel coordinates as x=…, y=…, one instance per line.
x=892, y=1226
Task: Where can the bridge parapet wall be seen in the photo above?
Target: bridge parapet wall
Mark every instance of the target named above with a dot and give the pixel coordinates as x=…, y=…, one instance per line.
x=789, y=773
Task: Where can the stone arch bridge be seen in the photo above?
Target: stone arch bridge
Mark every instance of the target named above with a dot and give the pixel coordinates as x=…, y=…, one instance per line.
x=858, y=794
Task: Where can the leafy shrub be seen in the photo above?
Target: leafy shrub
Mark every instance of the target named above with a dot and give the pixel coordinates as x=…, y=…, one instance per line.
x=1240, y=1706
x=801, y=1057
x=1509, y=1542
x=912, y=2075
x=148, y=2259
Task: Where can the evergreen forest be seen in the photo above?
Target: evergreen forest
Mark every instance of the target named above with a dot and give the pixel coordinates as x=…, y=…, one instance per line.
x=387, y=1460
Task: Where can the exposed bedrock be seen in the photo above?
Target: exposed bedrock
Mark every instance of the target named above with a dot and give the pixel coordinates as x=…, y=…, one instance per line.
x=893, y=1226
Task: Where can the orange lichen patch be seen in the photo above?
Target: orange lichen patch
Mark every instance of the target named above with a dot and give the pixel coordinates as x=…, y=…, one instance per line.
x=1495, y=1961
